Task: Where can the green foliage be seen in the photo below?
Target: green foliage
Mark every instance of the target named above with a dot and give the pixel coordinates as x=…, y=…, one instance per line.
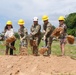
x=72, y=31
x=16, y=35
x=53, y=27
x=70, y=21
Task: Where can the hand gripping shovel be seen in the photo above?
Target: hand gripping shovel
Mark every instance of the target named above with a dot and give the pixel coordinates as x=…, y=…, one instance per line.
x=5, y=44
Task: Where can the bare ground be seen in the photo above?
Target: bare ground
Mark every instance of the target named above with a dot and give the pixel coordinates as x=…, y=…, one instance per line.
x=37, y=65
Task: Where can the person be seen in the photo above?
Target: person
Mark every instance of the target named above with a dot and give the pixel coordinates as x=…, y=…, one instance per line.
x=9, y=32
x=23, y=33
x=63, y=34
x=36, y=35
x=47, y=30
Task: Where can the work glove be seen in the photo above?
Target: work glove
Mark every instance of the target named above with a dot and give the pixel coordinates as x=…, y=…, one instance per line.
x=21, y=39
x=43, y=31
x=61, y=32
x=44, y=38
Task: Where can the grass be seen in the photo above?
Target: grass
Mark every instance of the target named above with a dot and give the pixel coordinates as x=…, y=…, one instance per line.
x=56, y=48
x=70, y=50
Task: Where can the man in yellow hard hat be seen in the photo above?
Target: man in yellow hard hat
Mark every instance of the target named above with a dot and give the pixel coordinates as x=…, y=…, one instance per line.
x=47, y=30
x=36, y=35
x=63, y=34
x=23, y=33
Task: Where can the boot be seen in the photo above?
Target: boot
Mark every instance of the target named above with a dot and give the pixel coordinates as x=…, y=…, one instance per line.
x=35, y=51
x=6, y=53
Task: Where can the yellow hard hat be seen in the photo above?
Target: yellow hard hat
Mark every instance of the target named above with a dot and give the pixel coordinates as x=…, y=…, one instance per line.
x=21, y=22
x=9, y=23
x=61, y=18
x=45, y=17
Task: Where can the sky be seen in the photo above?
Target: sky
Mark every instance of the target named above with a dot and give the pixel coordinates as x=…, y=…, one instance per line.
x=27, y=9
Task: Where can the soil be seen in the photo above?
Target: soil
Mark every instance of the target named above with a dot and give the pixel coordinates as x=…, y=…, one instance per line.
x=37, y=65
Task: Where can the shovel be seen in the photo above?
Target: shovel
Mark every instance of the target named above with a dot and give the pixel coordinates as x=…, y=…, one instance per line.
x=44, y=48
x=8, y=45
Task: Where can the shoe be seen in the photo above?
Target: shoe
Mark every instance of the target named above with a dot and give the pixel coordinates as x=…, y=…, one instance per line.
x=36, y=54
x=46, y=55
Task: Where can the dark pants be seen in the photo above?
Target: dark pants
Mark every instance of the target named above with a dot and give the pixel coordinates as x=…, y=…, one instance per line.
x=48, y=43
x=8, y=47
x=11, y=50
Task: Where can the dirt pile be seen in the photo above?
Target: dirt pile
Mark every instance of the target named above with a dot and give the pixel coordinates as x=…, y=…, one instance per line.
x=23, y=51
x=40, y=65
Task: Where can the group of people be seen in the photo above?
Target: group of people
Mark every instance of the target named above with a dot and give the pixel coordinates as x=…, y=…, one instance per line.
x=36, y=34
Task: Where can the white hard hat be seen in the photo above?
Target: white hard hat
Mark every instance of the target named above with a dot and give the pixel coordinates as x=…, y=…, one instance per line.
x=35, y=19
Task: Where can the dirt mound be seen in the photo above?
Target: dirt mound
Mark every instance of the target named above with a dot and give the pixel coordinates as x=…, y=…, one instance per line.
x=40, y=65
x=43, y=50
x=23, y=51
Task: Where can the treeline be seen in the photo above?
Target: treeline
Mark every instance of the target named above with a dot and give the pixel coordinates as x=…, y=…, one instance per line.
x=70, y=21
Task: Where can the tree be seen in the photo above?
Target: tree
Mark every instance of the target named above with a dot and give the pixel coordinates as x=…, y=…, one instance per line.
x=53, y=27
x=16, y=35
x=70, y=21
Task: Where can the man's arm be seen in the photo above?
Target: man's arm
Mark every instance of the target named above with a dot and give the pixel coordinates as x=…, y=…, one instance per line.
x=36, y=30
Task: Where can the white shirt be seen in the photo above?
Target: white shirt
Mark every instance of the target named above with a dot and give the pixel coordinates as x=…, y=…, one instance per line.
x=9, y=33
